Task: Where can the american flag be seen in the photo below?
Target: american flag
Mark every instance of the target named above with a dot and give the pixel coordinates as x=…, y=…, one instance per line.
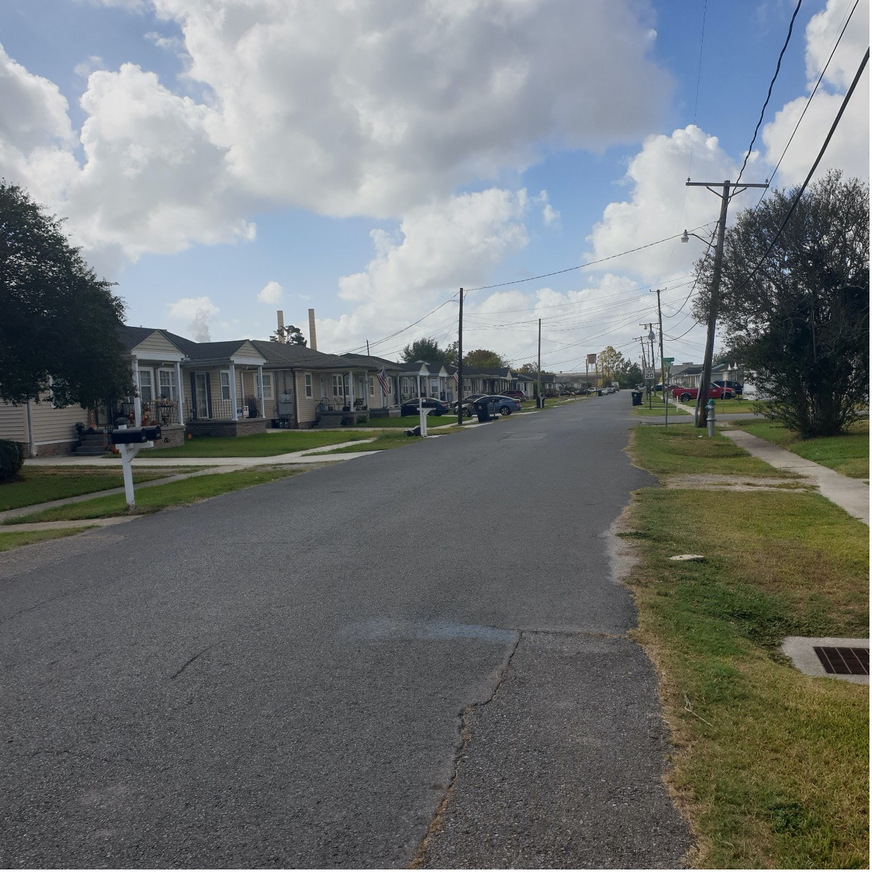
x=383, y=381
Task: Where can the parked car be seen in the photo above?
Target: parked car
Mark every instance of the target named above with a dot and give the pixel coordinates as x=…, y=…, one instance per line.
x=520, y=396
x=410, y=407
x=716, y=392
x=468, y=404
x=735, y=387
x=499, y=404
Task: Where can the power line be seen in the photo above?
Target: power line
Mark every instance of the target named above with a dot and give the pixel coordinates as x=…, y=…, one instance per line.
x=580, y=266
x=769, y=93
x=814, y=91
x=811, y=172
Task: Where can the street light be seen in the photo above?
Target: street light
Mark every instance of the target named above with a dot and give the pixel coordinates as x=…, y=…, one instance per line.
x=711, y=319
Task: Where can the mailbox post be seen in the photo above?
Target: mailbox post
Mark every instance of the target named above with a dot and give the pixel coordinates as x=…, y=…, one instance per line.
x=129, y=441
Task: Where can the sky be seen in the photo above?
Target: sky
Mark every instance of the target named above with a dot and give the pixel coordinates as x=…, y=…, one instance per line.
x=221, y=160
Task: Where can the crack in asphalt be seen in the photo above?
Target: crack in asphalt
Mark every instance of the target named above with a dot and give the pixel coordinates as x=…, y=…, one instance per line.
x=199, y=654
x=460, y=752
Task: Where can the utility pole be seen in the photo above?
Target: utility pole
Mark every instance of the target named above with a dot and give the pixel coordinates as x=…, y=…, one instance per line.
x=541, y=404
x=460, y=363
x=711, y=320
x=662, y=362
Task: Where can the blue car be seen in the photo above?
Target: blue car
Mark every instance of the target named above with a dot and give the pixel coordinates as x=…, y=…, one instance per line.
x=498, y=404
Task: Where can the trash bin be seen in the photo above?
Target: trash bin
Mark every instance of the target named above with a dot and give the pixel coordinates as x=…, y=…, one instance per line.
x=481, y=410
x=637, y=397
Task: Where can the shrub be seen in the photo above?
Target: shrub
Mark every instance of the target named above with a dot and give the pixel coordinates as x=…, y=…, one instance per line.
x=11, y=460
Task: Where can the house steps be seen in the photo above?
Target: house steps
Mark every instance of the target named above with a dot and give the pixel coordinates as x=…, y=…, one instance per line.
x=92, y=445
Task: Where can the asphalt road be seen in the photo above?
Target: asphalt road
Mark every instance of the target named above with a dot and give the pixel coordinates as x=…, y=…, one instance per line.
x=417, y=657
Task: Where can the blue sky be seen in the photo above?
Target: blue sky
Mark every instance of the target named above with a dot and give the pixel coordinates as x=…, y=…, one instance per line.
x=224, y=159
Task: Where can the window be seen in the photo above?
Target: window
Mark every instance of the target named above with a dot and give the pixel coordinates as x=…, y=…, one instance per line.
x=145, y=386
x=225, y=385
x=267, y=386
x=308, y=379
x=338, y=385
x=167, y=385
x=371, y=386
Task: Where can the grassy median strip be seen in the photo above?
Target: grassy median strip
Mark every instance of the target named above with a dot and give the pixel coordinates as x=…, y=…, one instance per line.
x=770, y=765
x=847, y=454
x=37, y=485
x=153, y=499
x=8, y=541
x=261, y=444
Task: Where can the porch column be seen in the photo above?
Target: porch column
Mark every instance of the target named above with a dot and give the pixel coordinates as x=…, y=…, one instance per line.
x=233, y=416
x=180, y=393
x=137, y=400
x=351, y=389
x=260, y=403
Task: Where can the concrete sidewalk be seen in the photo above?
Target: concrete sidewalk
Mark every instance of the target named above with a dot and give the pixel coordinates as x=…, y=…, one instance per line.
x=851, y=494
x=203, y=465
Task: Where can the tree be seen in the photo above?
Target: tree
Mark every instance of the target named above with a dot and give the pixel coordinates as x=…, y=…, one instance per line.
x=481, y=358
x=428, y=350
x=631, y=376
x=58, y=321
x=611, y=364
x=794, y=302
x=289, y=335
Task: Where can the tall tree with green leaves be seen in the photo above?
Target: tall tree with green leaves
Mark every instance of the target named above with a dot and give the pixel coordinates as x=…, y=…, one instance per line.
x=481, y=358
x=429, y=351
x=794, y=302
x=58, y=321
x=611, y=364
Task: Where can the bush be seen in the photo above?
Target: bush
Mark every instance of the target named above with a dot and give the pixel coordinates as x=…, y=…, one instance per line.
x=11, y=460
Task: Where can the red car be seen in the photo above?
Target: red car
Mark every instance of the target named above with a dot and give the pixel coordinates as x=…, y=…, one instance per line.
x=716, y=392
x=520, y=396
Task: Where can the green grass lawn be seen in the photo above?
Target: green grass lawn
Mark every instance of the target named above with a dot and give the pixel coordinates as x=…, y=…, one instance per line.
x=687, y=450
x=657, y=408
x=153, y=499
x=847, y=454
x=770, y=765
x=261, y=444
x=16, y=539
x=38, y=484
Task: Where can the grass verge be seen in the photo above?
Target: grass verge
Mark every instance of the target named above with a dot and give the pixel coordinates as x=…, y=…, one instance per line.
x=770, y=765
x=261, y=444
x=381, y=442
x=687, y=450
x=847, y=454
x=45, y=484
x=8, y=541
x=153, y=499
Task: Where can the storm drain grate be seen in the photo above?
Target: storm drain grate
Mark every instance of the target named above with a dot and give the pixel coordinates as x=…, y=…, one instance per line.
x=843, y=661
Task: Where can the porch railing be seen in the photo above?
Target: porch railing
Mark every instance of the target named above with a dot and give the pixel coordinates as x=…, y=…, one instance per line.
x=163, y=412
x=222, y=410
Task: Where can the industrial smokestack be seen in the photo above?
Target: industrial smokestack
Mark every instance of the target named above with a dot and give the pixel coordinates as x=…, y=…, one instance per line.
x=313, y=342
x=280, y=316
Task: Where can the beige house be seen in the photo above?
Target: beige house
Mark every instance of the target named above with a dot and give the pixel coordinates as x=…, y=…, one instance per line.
x=217, y=388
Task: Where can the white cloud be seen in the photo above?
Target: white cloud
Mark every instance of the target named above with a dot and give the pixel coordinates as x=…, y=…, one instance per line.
x=849, y=148
x=437, y=248
x=661, y=205
x=36, y=137
x=196, y=314
x=368, y=108
x=271, y=293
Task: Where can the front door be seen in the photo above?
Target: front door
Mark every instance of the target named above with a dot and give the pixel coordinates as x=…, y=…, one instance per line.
x=202, y=388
